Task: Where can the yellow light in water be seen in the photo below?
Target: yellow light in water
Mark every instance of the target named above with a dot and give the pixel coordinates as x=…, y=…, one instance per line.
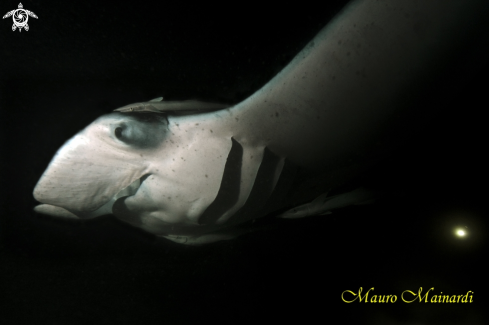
x=460, y=233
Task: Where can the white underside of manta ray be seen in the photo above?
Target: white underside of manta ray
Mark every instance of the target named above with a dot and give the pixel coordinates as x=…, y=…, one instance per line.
x=192, y=171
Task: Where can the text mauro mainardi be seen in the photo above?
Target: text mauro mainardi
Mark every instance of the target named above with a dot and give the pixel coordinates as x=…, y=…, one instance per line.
x=406, y=296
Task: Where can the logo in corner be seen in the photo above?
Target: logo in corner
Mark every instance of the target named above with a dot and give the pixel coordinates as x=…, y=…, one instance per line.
x=20, y=17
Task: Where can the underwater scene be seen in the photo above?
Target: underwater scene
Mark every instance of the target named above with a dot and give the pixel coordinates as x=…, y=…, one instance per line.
x=233, y=163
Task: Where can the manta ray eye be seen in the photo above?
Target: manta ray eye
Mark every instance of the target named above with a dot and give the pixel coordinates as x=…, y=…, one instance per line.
x=118, y=133
x=139, y=133
x=133, y=133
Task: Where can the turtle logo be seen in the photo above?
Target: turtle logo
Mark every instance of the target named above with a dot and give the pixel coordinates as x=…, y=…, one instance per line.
x=20, y=17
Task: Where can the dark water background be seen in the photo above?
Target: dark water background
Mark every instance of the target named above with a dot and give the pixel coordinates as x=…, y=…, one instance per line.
x=79, y=61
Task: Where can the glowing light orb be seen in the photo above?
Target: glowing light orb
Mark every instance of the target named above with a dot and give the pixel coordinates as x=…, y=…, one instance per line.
x=460, y=233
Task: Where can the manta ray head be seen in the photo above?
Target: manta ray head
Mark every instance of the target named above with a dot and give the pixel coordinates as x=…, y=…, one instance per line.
x=151, y=170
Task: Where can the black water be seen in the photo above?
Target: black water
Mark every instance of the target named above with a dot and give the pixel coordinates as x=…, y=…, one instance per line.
x=79, y=61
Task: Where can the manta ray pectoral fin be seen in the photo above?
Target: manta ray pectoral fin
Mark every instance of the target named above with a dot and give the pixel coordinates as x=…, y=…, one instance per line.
x=320, y=199
x=300, y=211
x=323, y=205
x=308, y=209
x=225, y=234
x=54, y=211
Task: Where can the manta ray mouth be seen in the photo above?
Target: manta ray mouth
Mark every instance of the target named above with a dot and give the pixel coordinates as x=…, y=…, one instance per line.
x=130, y=190
x=105, y=209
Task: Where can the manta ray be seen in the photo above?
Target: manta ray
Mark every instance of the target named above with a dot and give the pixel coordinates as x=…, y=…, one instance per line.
x=193, y=171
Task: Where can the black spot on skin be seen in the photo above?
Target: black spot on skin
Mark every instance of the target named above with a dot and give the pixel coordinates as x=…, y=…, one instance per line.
x=339, y=42
x=276, y=114
x=206, y=175
x=347, y=53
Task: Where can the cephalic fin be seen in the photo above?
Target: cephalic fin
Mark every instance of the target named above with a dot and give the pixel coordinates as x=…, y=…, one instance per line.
x=158, y=99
